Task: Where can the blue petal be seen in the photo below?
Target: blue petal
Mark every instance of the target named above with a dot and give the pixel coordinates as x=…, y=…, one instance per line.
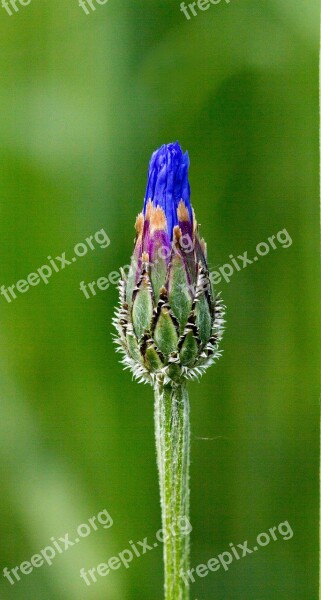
x=168, y=182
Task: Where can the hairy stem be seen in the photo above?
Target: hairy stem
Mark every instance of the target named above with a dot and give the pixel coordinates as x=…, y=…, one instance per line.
x=172, y=444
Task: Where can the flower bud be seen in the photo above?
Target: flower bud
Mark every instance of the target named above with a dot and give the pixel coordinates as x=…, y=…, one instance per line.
x=169, y=321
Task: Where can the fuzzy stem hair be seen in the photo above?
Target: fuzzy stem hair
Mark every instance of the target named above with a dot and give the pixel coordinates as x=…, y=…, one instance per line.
x=172, y=430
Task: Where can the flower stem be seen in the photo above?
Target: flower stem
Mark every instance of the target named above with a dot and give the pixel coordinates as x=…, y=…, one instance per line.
x=172, y=444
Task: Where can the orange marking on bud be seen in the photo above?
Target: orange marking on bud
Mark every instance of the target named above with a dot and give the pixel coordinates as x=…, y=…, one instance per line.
x=149, y=210
x=177, y=233
x=182, y=212
x=158, y=219
x=145, y=257
x=139, y=225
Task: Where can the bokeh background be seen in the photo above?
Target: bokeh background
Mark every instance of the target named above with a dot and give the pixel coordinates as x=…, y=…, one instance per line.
x=85, y=99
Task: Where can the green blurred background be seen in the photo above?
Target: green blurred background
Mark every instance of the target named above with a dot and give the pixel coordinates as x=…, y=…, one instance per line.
x=85, y=99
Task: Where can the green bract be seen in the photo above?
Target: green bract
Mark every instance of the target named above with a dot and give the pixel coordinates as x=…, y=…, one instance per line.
x=167, y=318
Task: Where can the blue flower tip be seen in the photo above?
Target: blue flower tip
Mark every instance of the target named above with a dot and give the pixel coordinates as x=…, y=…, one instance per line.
x=167, y=182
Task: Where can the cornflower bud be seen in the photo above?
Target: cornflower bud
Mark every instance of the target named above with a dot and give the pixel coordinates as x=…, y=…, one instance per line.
x=169, y=321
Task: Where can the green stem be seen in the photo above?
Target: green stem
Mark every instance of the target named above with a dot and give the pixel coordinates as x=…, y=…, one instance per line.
x=172, y=444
